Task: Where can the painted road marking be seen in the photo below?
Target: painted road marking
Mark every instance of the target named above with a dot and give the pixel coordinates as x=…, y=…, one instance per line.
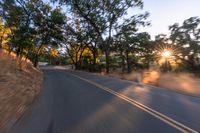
x=177, y=125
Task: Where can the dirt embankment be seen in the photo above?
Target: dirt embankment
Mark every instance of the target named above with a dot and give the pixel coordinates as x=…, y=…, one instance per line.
x=20, y=82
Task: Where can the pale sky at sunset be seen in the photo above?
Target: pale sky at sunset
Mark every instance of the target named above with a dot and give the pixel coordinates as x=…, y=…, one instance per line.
x=166, y=12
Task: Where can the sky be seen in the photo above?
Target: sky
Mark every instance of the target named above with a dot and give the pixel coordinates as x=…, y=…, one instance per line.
x=164, y=13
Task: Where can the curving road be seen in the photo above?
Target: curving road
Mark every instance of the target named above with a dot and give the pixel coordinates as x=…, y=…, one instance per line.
x=81, y=102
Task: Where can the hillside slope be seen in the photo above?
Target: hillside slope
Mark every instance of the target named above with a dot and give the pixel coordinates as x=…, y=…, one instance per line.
x=20, y=82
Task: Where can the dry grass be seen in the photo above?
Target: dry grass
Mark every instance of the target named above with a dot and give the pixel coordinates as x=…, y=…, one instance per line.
x=20, y=82
x=185, y=83
x=181, y=82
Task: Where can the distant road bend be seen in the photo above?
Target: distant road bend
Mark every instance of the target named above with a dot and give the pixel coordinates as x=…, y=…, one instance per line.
x=81, y=102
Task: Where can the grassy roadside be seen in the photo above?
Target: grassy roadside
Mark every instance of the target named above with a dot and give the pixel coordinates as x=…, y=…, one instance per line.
x=185, y=83
x=20, y=82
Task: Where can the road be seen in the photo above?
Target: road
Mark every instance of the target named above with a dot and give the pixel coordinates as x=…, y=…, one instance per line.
x=81, y=102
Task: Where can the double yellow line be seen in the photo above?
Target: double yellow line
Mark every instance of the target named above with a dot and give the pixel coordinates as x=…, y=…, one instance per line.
x=177, y=125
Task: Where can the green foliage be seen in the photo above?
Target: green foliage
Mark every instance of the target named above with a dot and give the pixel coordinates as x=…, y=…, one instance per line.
x=103, y=19
x=4, y=35
x=34, y=25
x=186, y=38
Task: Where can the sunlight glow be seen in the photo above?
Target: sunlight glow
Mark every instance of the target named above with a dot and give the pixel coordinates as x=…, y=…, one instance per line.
x=166, y=53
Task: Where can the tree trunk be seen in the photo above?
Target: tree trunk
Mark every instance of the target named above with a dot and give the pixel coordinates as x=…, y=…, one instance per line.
x=18, y=51
x=81, y=58
x=35, y=63
x=76, y=65
x=107, y=61
x=37, y=56
x=123, y=61
x=128, y=62
x=94, y=57
x=76, y=62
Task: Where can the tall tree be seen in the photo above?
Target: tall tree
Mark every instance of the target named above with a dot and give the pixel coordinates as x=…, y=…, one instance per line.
x=187, y=37
x=129, y=41
x=33, y=24
x=103, y=16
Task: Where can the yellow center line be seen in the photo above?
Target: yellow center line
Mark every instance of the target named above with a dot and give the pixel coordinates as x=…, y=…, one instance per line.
x=177, y=125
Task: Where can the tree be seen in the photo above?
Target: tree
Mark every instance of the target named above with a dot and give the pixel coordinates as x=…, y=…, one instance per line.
x=34, y=25
x=129, y=42
x=187, y=38
x=48, y=27
x=103, y=17
x=4, y=34
x=75, y=40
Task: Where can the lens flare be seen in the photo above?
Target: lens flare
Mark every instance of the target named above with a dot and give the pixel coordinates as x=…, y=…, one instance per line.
x=166, y=56
x=166, y=53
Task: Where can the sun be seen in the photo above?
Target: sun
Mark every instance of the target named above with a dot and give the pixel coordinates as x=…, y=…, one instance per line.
x=166, y=53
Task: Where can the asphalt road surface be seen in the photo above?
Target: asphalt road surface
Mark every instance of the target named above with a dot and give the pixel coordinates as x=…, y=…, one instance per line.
x=81, y=102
